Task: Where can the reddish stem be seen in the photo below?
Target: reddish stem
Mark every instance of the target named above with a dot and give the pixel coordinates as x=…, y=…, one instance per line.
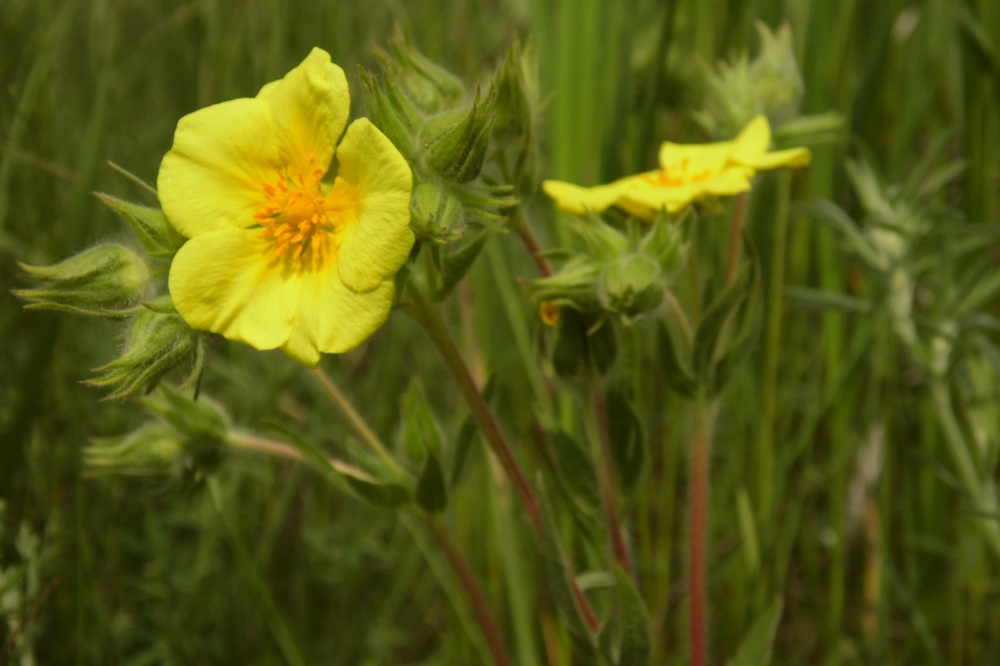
x=697, y=595
x=735, y=235
x=525, y=234
x=474, y=595
x=606, y=478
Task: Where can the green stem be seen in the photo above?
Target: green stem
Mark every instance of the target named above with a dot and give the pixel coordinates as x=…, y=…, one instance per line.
x=963, y=461
x=701, y=453
x=772, y=351
x=357, y=422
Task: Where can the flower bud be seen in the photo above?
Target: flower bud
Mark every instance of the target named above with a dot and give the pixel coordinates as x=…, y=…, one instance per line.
x=631, y=285
x=153, y=449
x=155, y=344
x=104, y=281
x=454, y=143
x=157, y=235
x=740, y=90
x=664, y=243
x=391, y=110
x=774, y=75
x=431, y=87
x=435, y=215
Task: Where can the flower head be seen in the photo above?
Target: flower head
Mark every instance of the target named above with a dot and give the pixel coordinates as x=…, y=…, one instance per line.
x=687, y=173
x=293, y=239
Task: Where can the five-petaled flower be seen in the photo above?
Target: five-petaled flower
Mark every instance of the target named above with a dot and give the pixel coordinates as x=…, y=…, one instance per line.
x=687, y=173
x=293, y=239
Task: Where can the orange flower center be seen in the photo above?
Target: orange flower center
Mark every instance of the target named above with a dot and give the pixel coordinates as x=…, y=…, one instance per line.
x=295, y=216
x=677, y=175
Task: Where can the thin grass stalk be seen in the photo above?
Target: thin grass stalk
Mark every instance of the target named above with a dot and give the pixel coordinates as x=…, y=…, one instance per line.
x=772, y=351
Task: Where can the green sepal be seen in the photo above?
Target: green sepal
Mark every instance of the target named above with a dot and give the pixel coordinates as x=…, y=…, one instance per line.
x=149, y=224
x=432, y=490
x=454, y=143
x=457, y=262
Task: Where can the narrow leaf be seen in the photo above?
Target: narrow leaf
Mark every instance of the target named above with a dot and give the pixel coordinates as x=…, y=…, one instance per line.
x=757, y=645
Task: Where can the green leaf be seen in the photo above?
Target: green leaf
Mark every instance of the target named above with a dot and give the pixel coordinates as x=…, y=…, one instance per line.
x=575, y=472
x=558, y=575
x=420, y=432
x=804, y=297
x=980, y=294
x=719, y=312
x=569, y=350
x=150, y=224
x=675, y=369
x=628, y=445
x=625, y=638
x=757, y=645
x=386, y=495
x=457, y=263
x=832, y=215
x=467, y=434
x=602, y=346
x=432, y=493
x=379, y=493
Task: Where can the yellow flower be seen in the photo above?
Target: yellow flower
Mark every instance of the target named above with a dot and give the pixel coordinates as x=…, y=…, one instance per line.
x=294, y=240
x=687, y=173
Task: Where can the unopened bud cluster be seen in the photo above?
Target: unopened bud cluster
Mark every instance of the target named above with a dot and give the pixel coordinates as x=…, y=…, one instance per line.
x=185, y=441
x=115, y=281
x=624, y=274
x=451, y=136
x=771, y=84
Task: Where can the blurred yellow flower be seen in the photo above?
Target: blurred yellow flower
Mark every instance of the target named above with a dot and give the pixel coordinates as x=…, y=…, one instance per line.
x=294, y=240
x=687, y=173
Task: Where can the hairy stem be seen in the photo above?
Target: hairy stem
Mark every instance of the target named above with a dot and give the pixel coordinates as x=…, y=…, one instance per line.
x=701, y=452
x=357, y=422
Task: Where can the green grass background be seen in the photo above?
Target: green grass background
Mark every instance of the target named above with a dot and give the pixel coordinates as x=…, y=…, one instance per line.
x=282, y=569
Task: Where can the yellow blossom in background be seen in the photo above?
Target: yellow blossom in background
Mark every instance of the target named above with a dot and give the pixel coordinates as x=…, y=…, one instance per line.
x=285, y=251
x=549, y=312
x=687, y=173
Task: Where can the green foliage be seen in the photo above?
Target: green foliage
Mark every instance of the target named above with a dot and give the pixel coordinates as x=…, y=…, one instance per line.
x=880, y=558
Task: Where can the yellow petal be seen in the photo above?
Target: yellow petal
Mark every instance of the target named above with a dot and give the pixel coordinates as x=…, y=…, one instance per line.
x=211, y=178
x=334, y=319
x=694, y=158
x=754, y=139
x=375, y=238
x=646, y=202
x=222, y=281
x=310, y=106
x=575, y=199
x=792, y=158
